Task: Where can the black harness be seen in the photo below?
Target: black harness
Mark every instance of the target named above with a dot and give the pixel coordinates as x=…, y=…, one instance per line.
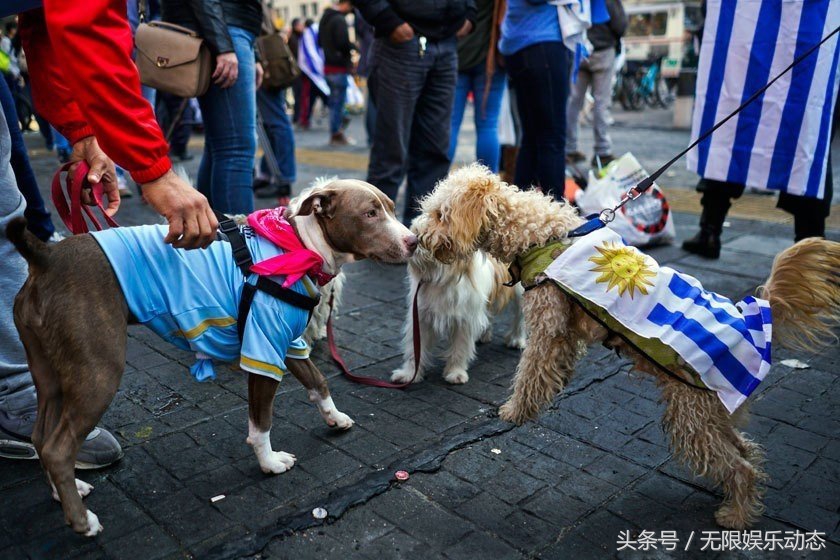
x=242, y=258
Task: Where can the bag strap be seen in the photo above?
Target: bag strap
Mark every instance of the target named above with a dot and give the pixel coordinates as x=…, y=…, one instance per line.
x=71, y=211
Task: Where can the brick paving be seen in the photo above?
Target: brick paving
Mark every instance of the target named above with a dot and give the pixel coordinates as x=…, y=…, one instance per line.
x=594, y=464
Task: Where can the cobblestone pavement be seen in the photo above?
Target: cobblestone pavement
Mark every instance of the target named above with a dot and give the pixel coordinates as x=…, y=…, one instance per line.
x=595, y=464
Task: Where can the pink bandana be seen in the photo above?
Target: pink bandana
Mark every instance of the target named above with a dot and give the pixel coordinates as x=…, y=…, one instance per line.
x=296, y=261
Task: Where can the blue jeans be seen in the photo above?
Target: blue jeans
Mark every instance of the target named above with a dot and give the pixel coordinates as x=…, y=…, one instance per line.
x=486, y=112
x=338, y=96
x=37, y=217
x=230, y=115
x=540, y=75
x=272, y=107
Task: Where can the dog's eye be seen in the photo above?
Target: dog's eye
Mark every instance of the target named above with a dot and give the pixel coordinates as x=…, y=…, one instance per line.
x=370, y=213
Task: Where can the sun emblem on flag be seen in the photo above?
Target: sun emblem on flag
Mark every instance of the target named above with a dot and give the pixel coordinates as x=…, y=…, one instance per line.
x=623, y=267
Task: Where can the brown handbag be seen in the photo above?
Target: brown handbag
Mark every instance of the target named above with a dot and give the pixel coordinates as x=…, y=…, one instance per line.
x=173, y=59
x=279, y=63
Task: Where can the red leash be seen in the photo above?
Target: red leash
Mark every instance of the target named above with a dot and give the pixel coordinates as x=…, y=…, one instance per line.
x=71, y=213
x=373, y=381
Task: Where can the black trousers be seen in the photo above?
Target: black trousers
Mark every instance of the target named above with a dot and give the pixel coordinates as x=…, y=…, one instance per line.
x=540, y=76
x=809, y=214
x=414, y=96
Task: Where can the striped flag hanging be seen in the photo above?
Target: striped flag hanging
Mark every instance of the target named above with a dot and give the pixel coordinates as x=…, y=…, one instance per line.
x=310, y=58
x=781, y=140
x=668, y=315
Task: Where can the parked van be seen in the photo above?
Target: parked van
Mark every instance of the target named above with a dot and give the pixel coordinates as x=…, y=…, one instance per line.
x=662, y=30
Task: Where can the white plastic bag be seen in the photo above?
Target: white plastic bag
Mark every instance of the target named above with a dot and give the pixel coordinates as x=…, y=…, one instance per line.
x=644, y=221
x=507, y=130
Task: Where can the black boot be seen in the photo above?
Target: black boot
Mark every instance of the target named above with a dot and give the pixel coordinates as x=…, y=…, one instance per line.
x=705, y=244
x=707, y=241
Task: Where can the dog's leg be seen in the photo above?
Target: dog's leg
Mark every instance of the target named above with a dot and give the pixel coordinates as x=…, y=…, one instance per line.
x=460, y=353
x=261, y=391
x=319, y=393
x=548, y=360
x=77, y=376
x=703, y=437
x=49, y=401
x=515, y=337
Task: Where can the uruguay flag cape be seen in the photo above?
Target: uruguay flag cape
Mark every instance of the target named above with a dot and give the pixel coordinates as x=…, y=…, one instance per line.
x=699, y=336
x=781, y=140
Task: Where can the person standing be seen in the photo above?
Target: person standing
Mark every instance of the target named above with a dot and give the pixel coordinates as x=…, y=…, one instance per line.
x=538, y=65
x=67, y=50
x=228, y=108
x=781, y=140
x=480, y=74
x=334, y=39
x=413, y=76
x=295, y=34
x=596, y=73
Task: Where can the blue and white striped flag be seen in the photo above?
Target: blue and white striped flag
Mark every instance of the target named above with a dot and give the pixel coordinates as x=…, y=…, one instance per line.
x=726, y=344
x=311, y=58
x=781, y=140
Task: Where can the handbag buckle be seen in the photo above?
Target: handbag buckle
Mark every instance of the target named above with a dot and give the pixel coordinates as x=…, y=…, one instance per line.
x=161, y=61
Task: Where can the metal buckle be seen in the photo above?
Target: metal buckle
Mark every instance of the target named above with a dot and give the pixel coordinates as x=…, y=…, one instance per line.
x=227, y=226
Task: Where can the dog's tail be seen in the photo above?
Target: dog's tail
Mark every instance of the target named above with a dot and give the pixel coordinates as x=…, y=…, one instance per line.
x=30, y=247
x=804, y=294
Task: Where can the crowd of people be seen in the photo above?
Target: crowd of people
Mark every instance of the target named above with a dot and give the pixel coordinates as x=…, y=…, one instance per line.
x=421, y=61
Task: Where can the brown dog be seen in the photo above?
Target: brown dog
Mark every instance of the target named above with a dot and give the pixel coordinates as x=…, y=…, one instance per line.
x=72, y=316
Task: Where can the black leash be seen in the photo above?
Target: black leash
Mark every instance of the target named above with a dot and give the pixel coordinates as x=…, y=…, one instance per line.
x=597, y=221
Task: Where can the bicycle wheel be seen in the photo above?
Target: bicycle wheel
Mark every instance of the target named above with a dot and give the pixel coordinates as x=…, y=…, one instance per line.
x=632, y=96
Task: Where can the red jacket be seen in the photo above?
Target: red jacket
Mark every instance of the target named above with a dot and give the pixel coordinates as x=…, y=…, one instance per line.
x=85, y=83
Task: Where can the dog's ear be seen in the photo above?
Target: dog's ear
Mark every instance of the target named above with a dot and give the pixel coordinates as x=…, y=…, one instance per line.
x=321, y=203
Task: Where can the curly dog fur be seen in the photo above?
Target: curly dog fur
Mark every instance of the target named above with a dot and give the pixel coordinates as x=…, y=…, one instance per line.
x=473, y=210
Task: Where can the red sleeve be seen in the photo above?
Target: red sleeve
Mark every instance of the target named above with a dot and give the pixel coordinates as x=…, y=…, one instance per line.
x=85, y=83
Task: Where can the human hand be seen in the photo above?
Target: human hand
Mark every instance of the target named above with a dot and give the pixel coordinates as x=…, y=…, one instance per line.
x=260, y=73
x=402, y=34
x=465, y=30
x=102, y=171
x=192, y=223
x=227, y=70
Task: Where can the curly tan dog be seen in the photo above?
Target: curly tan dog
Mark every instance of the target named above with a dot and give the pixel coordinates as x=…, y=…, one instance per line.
x=473, y=210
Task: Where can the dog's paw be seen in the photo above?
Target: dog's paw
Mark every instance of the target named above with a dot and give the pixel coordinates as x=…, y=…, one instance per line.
x=339, y=420
x=510, y=413
x=517, y=342
x=82, y=487
x=404, y=375
x=730, y=518
x=456, y=376
x=487, y=336
x=277, y=462
x=94, y=527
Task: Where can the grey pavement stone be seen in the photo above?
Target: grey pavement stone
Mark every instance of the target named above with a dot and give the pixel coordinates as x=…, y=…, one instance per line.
x=760, y=244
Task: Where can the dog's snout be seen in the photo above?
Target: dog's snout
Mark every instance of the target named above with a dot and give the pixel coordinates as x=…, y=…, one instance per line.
x=410, y=243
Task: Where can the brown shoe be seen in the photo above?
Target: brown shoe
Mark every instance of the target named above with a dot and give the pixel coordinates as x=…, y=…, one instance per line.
x=339, y=139
x=604, y=160
x=575, y=157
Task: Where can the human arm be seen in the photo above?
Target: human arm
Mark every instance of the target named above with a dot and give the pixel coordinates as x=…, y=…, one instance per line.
x=85, y=83
x=381, y=16
x=213, y=29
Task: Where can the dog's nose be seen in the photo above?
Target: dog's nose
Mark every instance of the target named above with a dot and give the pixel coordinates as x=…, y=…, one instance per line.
x=410, y=243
